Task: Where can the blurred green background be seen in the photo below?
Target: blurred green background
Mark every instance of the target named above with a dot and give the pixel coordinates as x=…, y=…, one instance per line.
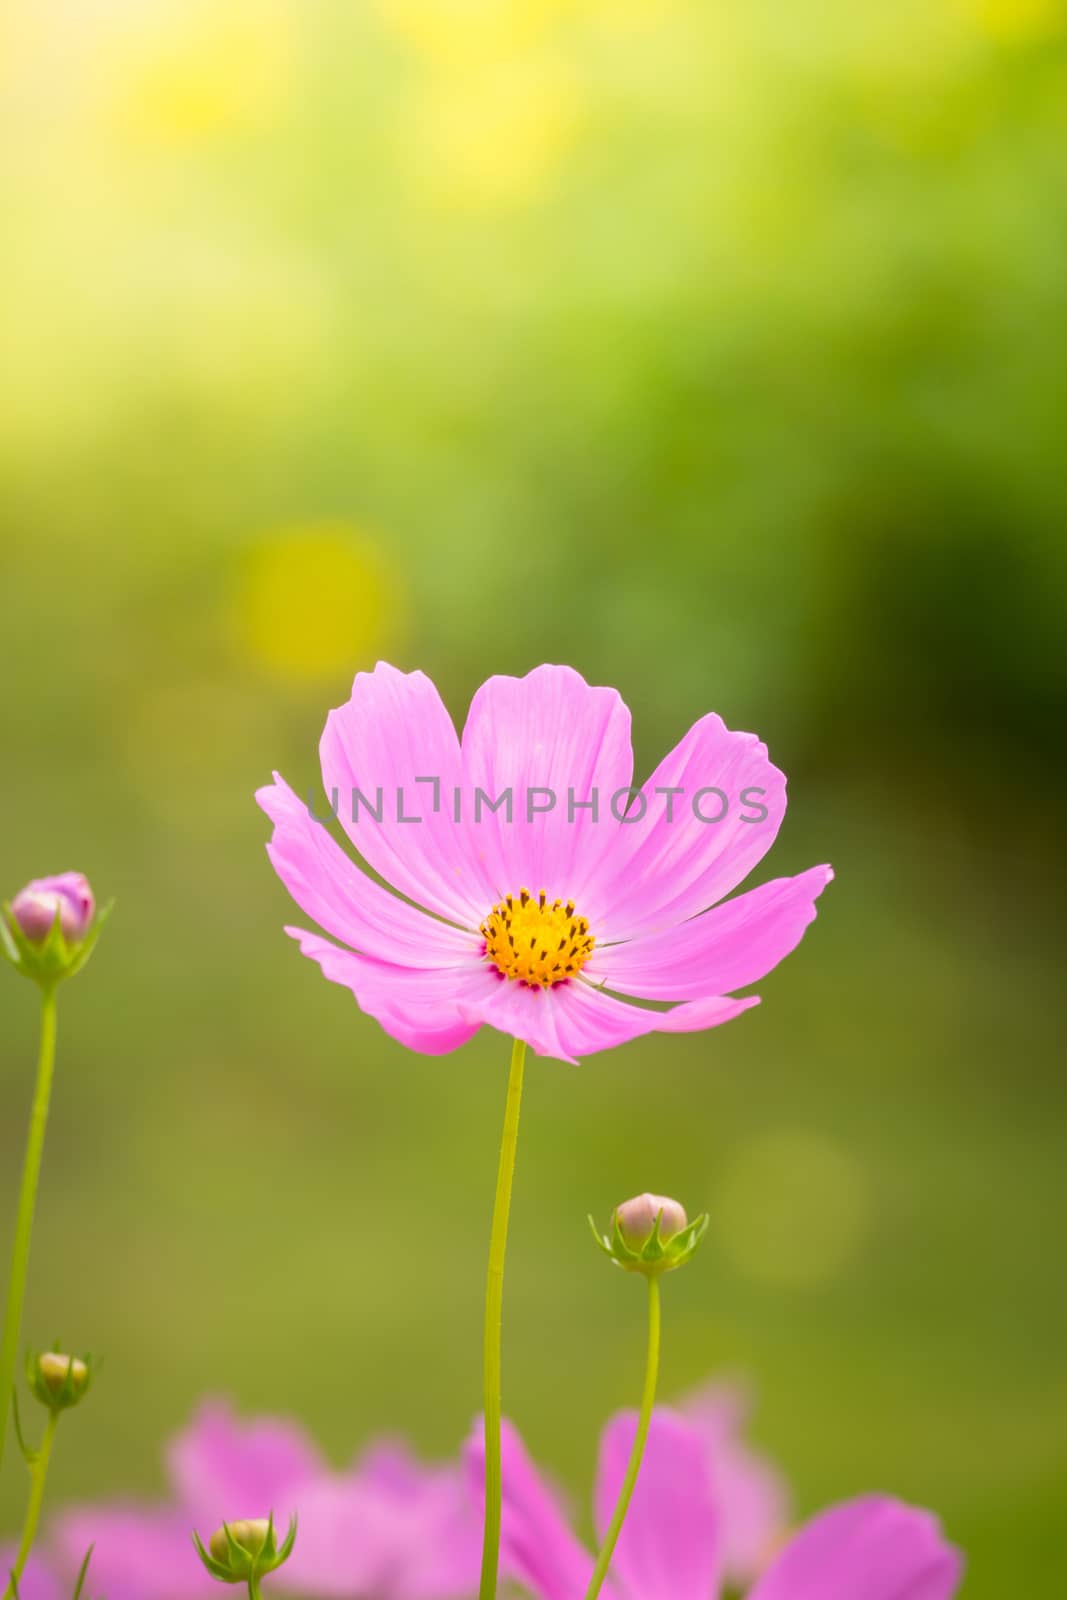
x=720, y=351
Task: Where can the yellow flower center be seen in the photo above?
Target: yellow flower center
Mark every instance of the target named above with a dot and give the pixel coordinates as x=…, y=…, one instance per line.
x=539, y=942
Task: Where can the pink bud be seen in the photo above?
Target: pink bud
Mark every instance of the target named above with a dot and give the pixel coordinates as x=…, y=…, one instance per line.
x=637, y=1219
x=34, y=907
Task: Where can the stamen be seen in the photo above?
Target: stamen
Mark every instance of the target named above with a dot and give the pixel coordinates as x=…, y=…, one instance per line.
x=537, y=942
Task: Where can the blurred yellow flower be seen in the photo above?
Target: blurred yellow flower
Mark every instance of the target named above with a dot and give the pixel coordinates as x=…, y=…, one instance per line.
x=187, y=69
x=630, y=16
x=498, y=135
x=315, y=601
x=1015, y=19
x=463, y=31
x=791, y=1208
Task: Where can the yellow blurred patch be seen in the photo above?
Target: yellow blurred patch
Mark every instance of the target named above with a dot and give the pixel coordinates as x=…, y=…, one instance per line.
x=791, y=1208
x=1015, y=19
x=630, y=16
x=315, y=601
x=188, y=69
x=499, y=135
x=465, y=31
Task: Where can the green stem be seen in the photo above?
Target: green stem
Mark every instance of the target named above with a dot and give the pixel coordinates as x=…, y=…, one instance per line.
x=254, y=1591
x=38, y=1476
x=31, y=1171
x=648, y=1400
x=494, y=1302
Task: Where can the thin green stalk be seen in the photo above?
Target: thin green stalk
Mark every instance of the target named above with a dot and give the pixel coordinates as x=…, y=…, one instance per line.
x=648, y=1400
x=494, y=1302
x=38, y=1477
x=31, y=1171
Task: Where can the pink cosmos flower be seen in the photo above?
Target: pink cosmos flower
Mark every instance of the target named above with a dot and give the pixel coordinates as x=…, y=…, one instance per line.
x=364, y=1532
x=536, y=888
x=673, y=1544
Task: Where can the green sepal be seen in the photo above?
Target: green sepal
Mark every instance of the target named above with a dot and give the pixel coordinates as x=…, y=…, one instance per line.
x=656, y=1254
x=216, y=1568
x=54, y=958
x=28, y=1455
x=286, y=1548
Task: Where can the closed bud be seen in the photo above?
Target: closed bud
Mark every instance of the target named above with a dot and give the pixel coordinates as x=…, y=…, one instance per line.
x=59, y=1381
x=49, y=929
x=636, y=1219
x=250, y=1533
x=244, y=1550
x=650, y=1234
x=66, y=895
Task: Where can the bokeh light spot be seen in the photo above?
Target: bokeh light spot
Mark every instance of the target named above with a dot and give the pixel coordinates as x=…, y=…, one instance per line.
x=317, y=600
x=791, y=1208
x=462, y=31
x=204, y=67
x=1015, y=19
x=499, y=135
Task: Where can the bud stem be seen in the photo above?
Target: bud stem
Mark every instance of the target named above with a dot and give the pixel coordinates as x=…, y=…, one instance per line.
x=648, y=1400
x=494, y=1302
x=20, y=1255
x=38, y=1476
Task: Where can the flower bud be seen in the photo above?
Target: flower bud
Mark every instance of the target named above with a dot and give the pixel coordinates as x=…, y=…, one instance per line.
x=636, y=1219
x=249, y=1533
x=650, y=1234
x=59, y=1381
x=49, y=929
x=243, y=1551
x=34, y=908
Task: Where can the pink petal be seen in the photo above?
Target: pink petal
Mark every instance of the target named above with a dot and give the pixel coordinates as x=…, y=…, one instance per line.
x=436, y=1010
x=867, y=1549
x=345, y=900
x=417, y=1008
x=393, y=1468
x=669, y=1547
x=441, y=1547
x=348, y=1542
x=549, y=731
x=36, y=1583
x=537, y=1549
x=222, y=1468
x=727, y=948
x=441, y=1554
x=393, y=731
x=575, y=1020
x=139, y=1552
x=663, y=872
x=749, y=1490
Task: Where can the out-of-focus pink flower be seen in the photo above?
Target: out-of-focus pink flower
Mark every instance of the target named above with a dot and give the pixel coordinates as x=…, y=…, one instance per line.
x=361, y=1532
x=443, y=1561
x=34, y=907
x=528, y=910
x=38, y=1582
x=673, y=1542
x=749, y=1490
